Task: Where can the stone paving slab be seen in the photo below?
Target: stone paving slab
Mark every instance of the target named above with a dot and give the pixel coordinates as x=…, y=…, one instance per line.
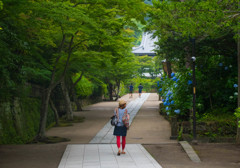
x=190, y=152
x=105, y=135
x=105, y=156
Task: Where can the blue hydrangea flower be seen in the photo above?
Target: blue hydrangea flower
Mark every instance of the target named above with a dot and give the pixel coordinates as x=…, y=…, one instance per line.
x=165, y=103
x=226, y=68
x=235, y=85
x=158, y=83
x=172, y=102
x=161, y=78
x=169, y=93
x=189, y=74
x=220, y=64
x=167, y=98
x=160, y=89
x=177, y=80
x=168, y=103
x=174, y=78
x=168, y=108
x=172, y=74
x=189, y=82
x=175, y=85
x=163, y=100
x=177, y=111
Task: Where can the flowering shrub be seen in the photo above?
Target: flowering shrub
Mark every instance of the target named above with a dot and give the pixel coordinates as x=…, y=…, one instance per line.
x=176, y=93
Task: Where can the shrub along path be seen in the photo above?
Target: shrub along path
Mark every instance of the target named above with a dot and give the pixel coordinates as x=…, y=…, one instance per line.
x=148, y=128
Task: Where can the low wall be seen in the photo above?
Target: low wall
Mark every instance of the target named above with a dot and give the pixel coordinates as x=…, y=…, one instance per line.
x=19, y=120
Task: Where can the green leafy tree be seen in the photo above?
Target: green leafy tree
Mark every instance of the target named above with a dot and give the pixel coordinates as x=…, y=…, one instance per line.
x=79, y=26
x=202, y=20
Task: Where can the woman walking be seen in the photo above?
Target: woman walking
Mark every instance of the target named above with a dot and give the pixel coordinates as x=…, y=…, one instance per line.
x=120, y=129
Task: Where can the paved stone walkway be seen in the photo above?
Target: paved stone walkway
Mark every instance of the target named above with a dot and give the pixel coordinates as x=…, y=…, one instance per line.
x=104, y=156
x=101, y=152
x=105, y=135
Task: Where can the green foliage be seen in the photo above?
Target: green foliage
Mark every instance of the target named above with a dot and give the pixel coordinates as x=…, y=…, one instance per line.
x=180, y=138
x=148, y=84
x=192, y=18
x=84, y=87
x=1, y=5
x=138, y=31
x=237, y=114
x=123, y=90
x=213, y=26
x=218, y=115
x=42, y=42
x=146, y=65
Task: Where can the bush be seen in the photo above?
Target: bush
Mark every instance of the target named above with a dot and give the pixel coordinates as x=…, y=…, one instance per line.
x=176, y=93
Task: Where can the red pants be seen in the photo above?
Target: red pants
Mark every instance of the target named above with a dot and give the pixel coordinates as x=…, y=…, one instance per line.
x=123, y=142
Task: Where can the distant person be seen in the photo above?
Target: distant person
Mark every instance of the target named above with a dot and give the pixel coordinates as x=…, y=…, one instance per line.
x=140, y=87
x=120, y=129
x=130, y=90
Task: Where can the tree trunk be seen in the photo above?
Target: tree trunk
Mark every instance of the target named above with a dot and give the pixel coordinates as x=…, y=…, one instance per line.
x=47, y=93
x=169, y=69
x=118, y=90
x=238, y=129
x=210, y=99
x=73, y=92
x=110, y=91
x=187, y=58
x=13, y=108
x=55, y=112
x=44, y=111
x=67, y=101
x=75, y=99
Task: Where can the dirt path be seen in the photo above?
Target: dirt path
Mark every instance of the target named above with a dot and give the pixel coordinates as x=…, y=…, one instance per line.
x=148, y=126
x=211, y=155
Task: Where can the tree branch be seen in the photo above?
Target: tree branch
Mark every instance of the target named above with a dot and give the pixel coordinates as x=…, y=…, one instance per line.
x=57, y=59
x=69, y=54
x=75, y=83
x=78, y=43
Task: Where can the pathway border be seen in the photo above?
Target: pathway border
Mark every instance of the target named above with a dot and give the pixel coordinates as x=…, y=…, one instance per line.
x=190, y=152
